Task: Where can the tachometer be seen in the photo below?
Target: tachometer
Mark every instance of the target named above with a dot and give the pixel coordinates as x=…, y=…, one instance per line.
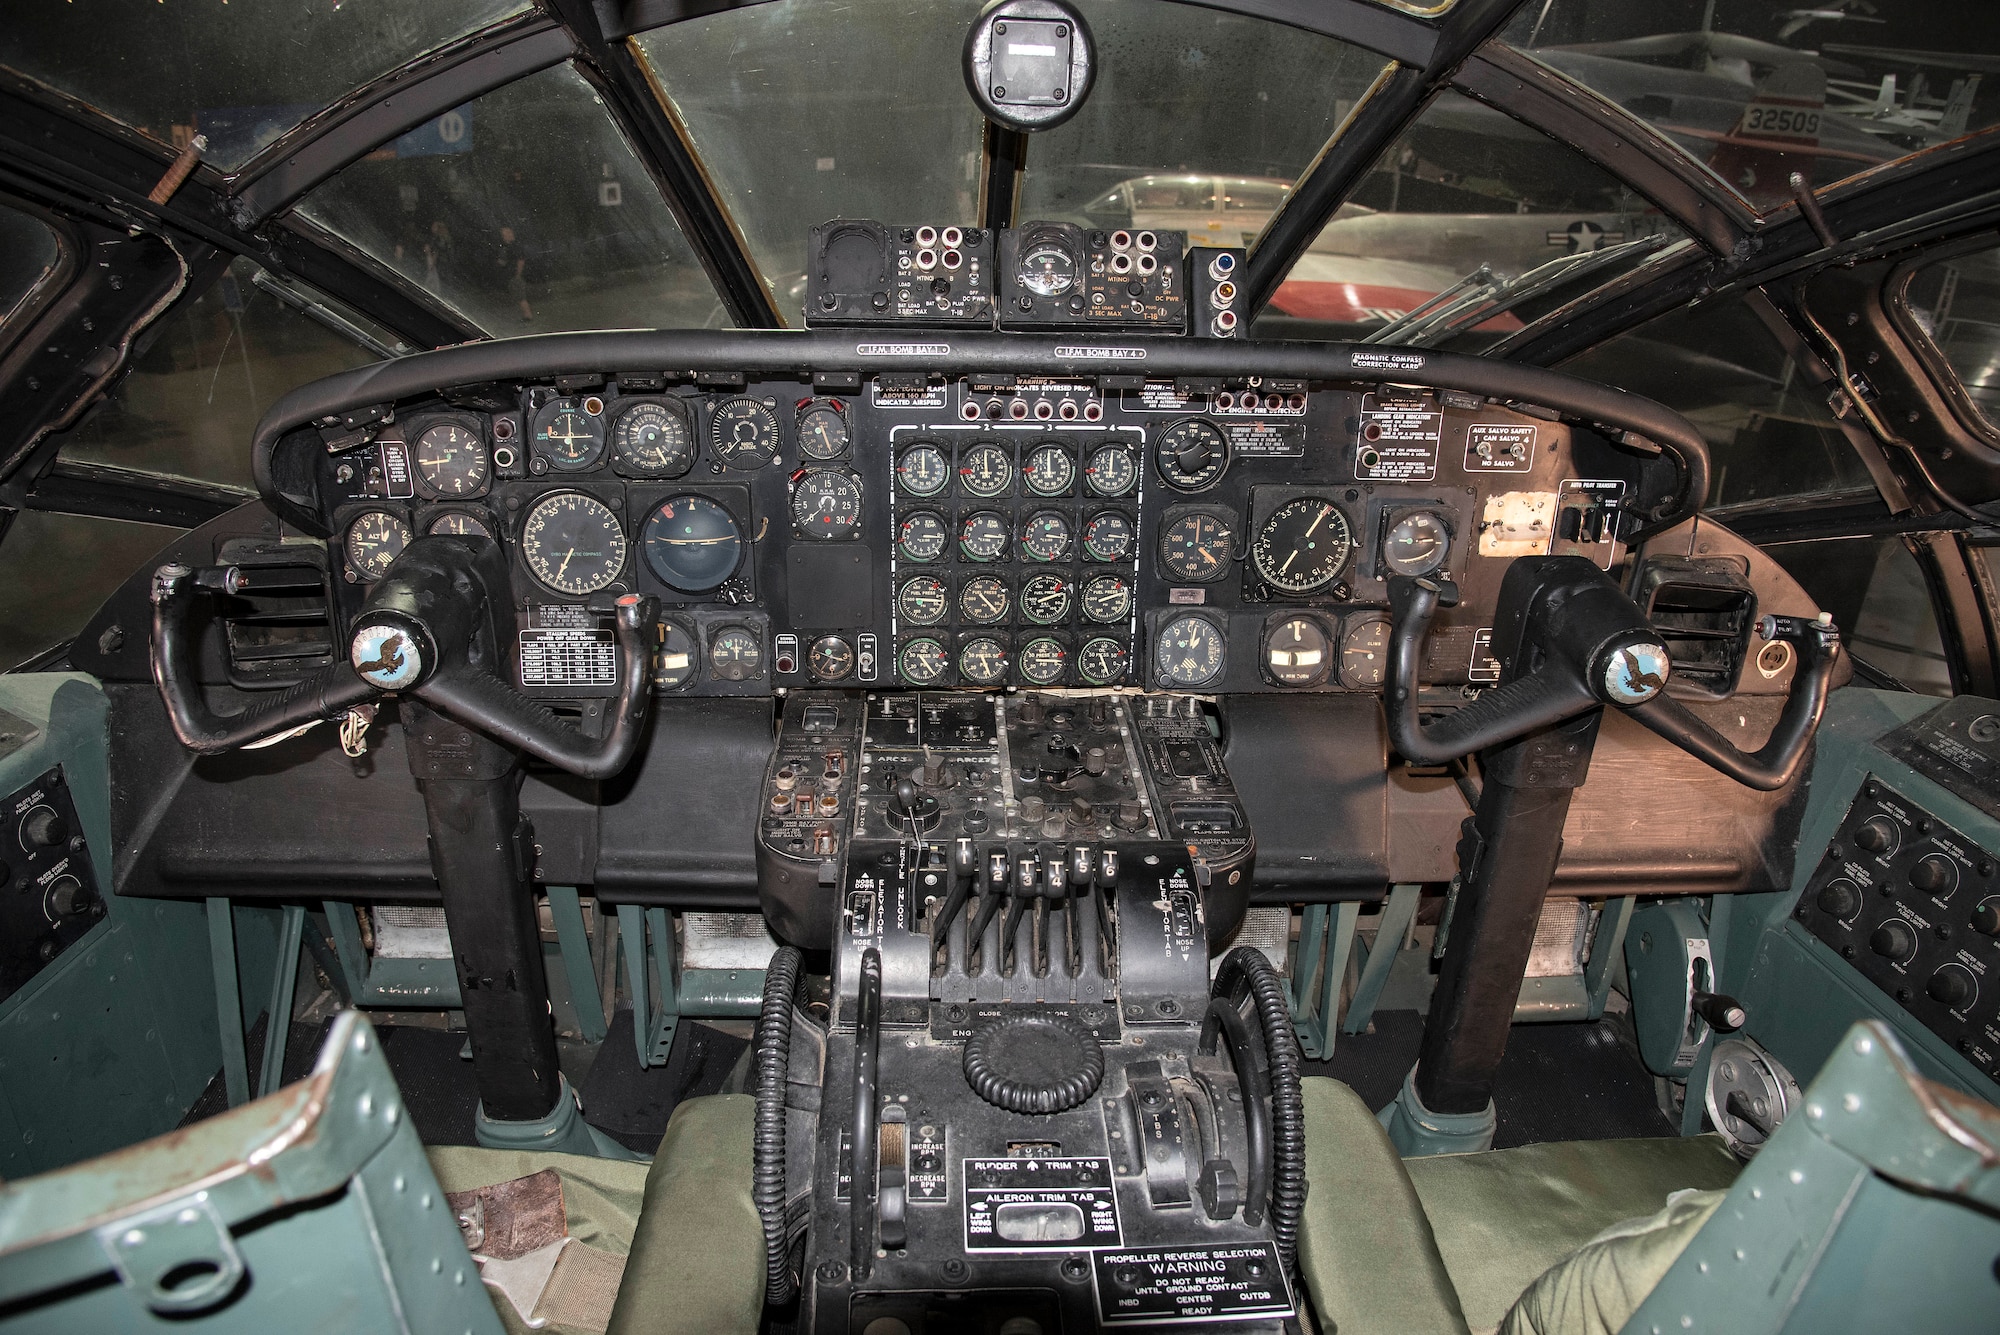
x=985, y=471
x=1416, y=545
x=984, y=600
x=1111, y=471
x=572, y=543
x=1045, y=599
x=451, y=459
x=1049, y=470
x=1197, y=547
x=569, y=436
x=921, y=470
x=1107, y=598
x=1191, y=455
x=826, y=503
x=692, y=543
x=1190, y=653
x=822, y=431
x=983, y=536
x=1102, y=661
x=653, y=439
x=1108, y=536
x=744, y=433
x=922, y=601
x=922, y=536
x=1303, y=546
x=374, y=541
x=1045, y=536
x=983, y=661
x=923, y=662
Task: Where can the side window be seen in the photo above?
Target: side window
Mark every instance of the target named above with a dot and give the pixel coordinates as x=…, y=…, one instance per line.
x=1956, y=302
x=193, y=396
x=1769, y=431
x=28, y=255
x=57, y=570
x=1877, y=595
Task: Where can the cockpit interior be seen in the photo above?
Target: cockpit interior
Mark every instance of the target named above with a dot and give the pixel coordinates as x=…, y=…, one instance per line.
x=1008, y=666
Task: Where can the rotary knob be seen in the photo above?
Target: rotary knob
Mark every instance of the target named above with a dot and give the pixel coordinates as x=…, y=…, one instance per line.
x=1841, y=898
x=1894, y=939
x=1876, y=835
x=43, y=827
x=1952, y=987
x=1934, y=874
x=1986, y=918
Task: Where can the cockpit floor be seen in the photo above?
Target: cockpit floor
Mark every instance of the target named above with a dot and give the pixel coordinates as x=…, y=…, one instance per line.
x=1559, y=1081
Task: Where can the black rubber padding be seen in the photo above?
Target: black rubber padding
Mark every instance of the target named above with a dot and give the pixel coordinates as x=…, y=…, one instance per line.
x=1033, y=1063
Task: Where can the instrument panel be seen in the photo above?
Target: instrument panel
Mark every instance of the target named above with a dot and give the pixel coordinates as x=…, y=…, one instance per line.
x=976, y=531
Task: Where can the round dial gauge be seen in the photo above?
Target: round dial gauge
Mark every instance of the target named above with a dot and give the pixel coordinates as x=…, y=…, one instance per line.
x=1190, y=653
x=674, y=661
x=1191, y=455
x=1111, y=471
x=567, y=436
x=452, y=460
x=1416, y=545
x=1298, y=652
x=826, y=503
x=1045, y=599
x=922, y=601
x=1107, y=598
x=736, y=654
x=1049, y=470
x=985, y=470
x=1102, y=661
x=984, y=600
x=1043, y=661
x=572, y=543
x=921, y=470
x=459, y=524
x=831, y=658
x=822, y=432
x=744, y=433
x=1108, y=537
x=1197, y=547
x=1364, y=654
x=653, y=438
x=1045, y=536
x=374, y=541
x=1303, y=545
x=692, y=543
x=983, y=536
x=923, y=662
x=1048, y=269
x=922, y=536
x=983, y=661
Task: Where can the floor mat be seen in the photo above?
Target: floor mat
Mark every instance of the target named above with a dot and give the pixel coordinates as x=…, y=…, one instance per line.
x=632, y=1104
x=1567, y=1081
x=301, y=1051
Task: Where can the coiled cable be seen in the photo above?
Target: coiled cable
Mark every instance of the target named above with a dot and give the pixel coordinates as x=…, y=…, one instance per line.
x=773, y=1056
x=1245, y=972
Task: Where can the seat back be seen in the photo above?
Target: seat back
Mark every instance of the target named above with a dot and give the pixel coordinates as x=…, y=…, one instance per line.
x=1875, y=1206
x=313, y=1209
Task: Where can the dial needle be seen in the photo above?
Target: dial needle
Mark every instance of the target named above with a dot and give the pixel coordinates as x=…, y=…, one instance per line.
x=564, y=567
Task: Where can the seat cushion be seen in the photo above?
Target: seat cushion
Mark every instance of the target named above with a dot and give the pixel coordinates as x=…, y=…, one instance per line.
x=1503, y=1217
x=1365, y=1249
x=697, y=1262
x=1597, y=1289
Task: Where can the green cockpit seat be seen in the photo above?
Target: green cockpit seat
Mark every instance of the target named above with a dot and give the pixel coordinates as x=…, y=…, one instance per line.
x=1872, y=1209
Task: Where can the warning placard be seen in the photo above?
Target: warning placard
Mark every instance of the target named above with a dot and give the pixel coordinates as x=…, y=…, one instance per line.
x=1398, y=444
x=1170, y=1285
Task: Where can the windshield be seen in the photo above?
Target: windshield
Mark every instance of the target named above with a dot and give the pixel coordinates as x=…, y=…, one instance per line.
x=1761, y=91
x=526, y=211
x=1956, y=303
x=242, y=74
x=1467, y=201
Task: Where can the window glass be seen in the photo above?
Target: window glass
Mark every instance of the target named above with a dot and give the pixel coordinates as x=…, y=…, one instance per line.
x=1957, y=303
x=1470, y=202
x=204, y=375
x=536, y=216
x=803, y=111
x=1758, y=91
x=28, y=255
x=1230, y=105
x=57, y=570
x=1768, y=429
x=1877, y=595
x=242, y=74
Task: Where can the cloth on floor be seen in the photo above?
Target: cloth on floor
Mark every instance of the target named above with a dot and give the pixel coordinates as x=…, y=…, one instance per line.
x=1598, y=1288
x=582, y=1229
x=697, y=1261
x=1503, y=1217
x=1365, y=1248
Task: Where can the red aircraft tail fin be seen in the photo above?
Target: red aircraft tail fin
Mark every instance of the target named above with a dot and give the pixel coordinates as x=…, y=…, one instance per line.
x=1777, y=134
